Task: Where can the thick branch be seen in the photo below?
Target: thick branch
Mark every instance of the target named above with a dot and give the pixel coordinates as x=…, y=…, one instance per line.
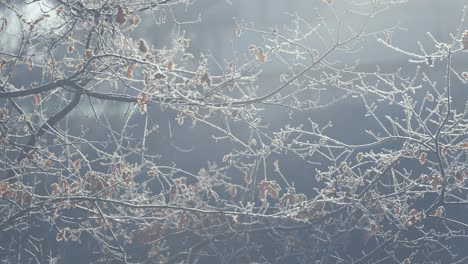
x=36, y=90
x=51, y=122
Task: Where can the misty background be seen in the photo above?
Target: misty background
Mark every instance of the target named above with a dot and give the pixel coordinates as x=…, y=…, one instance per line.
x=211, y=27
x=214, y=34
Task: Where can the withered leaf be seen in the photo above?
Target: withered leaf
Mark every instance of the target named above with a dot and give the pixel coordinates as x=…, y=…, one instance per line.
x=120, y=17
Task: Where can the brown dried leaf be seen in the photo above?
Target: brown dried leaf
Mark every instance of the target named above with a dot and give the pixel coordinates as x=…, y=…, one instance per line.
x=136, y=19
x=37, y=99
x=184, y=42
x=60, y=235
x=142, y=46
x=252, y=49
x=25, y=199
x=59, y=10
x=238, y=32
x=4, y=187
x=445, y=151
x=398, y=210
x=159, y=75
x=120, y=17
x=3, y=64
x=465, y=75
x=268, y=188
x=170, y=65
x=180, y=119
x=77, y=164
x=359, y=157
x=464, y=40
x=28, y=60
x=4, y=24
x=231, y=189
x=261, y=57
x=422, y=158
x=460, y=176
x=88, y=54
x=70, y=47
x=435, y=182
x=276, y=164
x=439, y=211
x=205, y=78
x=430, y=97
x=130, y=70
